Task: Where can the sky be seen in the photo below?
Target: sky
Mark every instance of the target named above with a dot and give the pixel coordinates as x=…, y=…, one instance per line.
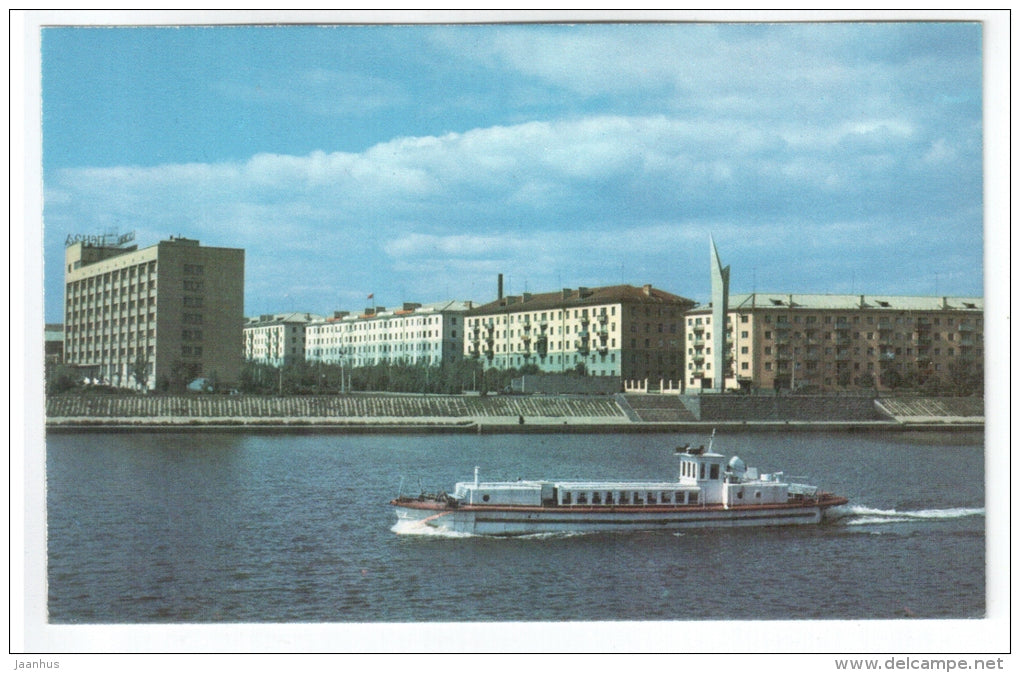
x=418, y=162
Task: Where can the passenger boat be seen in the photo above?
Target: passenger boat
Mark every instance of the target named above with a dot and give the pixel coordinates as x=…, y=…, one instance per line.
x=709, y=492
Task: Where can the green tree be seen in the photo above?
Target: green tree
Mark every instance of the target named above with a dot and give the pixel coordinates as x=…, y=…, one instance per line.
x=140, y=371
x=61, y=378
x=965, y=377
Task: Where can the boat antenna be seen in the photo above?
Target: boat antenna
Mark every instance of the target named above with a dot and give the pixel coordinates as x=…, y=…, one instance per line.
x=710, y=439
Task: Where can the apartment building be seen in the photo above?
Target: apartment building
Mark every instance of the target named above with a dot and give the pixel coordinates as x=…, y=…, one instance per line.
x=425, y=334
x=621, y=330
x=830, y=342
x=277, y=339
x=171, y=312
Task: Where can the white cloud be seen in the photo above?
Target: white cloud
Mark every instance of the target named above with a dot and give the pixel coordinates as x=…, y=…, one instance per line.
x=573, y=197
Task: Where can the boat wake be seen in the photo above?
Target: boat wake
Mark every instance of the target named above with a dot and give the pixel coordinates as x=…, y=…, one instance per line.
x=856, y=515
x=425, y=530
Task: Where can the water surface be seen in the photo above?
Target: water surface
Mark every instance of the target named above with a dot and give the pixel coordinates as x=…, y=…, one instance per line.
x=234, y=527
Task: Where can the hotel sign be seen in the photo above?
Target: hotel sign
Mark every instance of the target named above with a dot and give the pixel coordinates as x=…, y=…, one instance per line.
x=101, y=240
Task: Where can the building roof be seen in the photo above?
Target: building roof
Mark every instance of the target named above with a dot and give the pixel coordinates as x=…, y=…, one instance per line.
x=583, y=296
x=847, y=302
x=296, y=317
x=407, y=309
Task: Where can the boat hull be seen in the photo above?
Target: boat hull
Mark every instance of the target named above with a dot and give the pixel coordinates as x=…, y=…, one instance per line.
x=505, y=521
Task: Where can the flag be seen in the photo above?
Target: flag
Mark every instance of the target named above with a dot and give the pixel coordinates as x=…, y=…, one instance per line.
x=371, y=296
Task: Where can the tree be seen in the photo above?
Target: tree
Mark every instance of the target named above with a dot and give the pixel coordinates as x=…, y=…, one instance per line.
x=965, y=378
x=140, y=371
x=61, y=378
x=891, y=379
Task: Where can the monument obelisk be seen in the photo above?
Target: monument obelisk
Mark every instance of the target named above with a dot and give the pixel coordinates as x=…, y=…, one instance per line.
x=720, y=305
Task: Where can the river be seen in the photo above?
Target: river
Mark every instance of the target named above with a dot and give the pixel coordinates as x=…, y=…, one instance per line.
x=227, y=527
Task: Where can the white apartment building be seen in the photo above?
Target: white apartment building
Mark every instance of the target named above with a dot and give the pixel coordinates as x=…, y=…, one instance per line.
x=429, y=334
x=277, y=339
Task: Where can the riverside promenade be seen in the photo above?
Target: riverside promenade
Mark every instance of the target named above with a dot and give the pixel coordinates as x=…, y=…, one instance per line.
x=381, y=412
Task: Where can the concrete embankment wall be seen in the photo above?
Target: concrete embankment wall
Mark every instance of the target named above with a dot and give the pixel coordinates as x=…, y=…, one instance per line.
x=378, y=412
x=788, y=408
x=335, y=407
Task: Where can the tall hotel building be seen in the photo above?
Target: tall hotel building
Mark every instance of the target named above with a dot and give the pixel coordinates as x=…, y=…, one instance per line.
x=621, y=330
x=829, y=342
x=430, y=334
x=172, y=312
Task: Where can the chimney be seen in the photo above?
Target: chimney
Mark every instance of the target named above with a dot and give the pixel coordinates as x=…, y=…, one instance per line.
x=499, y=287
x=647, y=289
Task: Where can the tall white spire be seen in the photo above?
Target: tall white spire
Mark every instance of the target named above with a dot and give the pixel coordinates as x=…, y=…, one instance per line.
x=720, y=306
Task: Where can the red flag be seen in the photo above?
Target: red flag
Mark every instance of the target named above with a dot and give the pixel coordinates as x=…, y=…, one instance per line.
x=371, y=295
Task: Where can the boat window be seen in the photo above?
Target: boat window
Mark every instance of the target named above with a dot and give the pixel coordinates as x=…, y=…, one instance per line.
x=651, y=498
x=715, y=472
x=624, y=498
x=568, y=497
x=666, y=497
x=692, y=498
x=638, y=500
x=609, y=497
x=757, y=494
x=702, y=470
x=582, y=498
x=485, y=498
x=740, y=494
x=679, y=498
x=596, y=498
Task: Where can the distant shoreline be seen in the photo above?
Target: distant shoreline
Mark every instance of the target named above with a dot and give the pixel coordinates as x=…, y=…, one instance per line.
x=354, y=426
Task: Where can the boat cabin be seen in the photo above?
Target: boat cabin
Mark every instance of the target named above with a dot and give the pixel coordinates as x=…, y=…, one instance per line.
x=521, y=493
x=705, y=479
x=626, y=493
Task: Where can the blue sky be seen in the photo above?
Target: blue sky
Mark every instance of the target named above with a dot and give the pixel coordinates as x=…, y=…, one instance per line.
x=418, y=162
